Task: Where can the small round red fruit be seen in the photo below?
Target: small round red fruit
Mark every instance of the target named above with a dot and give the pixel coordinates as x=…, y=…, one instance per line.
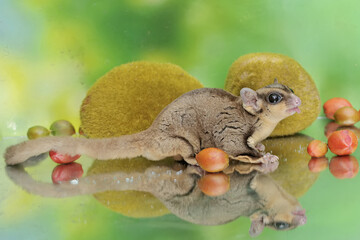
x=212, y=159
x=317, y=148
x=343, y=142
x=67, y=172
x=347, y=116
x=62, y=158
x=318, y=164
x=351, y=128
x=333, y=104
x=214, y=184
x=344, y=167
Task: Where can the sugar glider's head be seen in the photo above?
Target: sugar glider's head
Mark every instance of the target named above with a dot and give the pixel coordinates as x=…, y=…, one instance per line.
x=272, y=103
x=280, y=210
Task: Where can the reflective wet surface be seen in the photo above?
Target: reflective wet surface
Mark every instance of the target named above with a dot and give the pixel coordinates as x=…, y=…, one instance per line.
x=138, y=198
x=52, y=52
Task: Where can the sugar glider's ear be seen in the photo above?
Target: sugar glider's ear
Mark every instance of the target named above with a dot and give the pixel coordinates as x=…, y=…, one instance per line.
x=276, y=81
x=250, y=99
x=257, y=225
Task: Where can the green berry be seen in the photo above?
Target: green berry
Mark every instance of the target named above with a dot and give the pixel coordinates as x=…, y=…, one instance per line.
x=37, y=132
x=62, y=128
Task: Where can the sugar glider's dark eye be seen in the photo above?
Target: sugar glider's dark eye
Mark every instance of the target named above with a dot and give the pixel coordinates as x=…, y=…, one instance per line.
x=274, y=98
x=281, y=225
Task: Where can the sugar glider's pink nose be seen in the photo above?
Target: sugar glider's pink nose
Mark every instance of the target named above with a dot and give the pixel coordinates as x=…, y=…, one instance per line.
x=297, y=101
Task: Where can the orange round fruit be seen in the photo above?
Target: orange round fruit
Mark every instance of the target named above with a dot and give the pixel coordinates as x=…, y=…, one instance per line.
x=333, y=104
x=212, y=159
x=342, y=142
x=317, y=148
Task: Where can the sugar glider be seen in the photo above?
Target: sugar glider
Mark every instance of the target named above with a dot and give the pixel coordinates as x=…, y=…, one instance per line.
x=198, y=119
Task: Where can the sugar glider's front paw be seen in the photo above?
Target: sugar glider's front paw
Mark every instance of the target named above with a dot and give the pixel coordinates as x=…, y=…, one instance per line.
x=260, y=147
x=269, y=163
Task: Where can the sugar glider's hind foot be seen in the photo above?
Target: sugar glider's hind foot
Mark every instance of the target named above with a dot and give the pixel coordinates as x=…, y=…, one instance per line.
x=246, y=159
x=269, y=163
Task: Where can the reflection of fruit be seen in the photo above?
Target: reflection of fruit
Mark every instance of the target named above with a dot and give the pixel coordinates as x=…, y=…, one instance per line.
x=67, y=172
x=293, y=173
x=347, y=116
x=62, y=128
x=333, y=104
x=317, y=148
x=257, y=70
x=212, y=159
x=214, y=184
x=344, y=166
x=330, y=128
x=342, y=142
x=318, y=164
x=62, y=158
x=333, y=126
x=37, y=132
x=135, y=204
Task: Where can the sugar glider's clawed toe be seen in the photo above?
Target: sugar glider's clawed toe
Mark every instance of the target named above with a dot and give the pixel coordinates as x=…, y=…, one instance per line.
x=260, y=147
x=269, y=163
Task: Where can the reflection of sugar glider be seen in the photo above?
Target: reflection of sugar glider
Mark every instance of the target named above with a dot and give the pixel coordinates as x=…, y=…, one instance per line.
x=198, y=119
x=254, y=195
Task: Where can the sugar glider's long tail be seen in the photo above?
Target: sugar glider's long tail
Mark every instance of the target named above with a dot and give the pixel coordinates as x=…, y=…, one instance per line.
x=127, y=146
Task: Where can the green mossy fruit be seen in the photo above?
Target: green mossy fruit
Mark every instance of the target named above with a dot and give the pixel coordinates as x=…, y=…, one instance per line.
x=128, y=98
x=124, y=101
x=293, y=173
x=257, y=70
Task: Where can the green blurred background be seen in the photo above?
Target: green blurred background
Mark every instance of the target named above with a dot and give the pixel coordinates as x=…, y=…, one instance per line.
x=51, y=52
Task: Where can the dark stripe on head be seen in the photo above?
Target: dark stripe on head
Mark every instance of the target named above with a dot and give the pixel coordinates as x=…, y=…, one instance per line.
x=280, y=86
